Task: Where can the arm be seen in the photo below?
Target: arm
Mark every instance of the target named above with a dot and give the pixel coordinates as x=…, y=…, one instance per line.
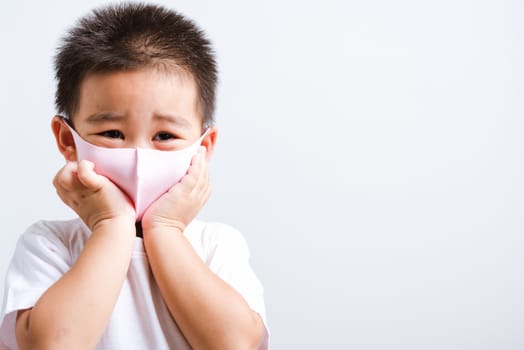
x=210, y=313
x=73, y=312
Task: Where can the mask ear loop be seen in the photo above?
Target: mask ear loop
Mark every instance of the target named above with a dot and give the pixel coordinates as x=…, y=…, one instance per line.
x=68, y=121
x=203, y=136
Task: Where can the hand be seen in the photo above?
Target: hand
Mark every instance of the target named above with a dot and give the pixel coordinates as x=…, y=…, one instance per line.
x=177, y=207
x=92, y=196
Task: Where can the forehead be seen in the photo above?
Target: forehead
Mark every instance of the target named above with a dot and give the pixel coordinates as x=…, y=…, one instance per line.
x=139, y=93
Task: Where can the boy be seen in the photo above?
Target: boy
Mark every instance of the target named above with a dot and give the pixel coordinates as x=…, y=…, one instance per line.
x=138, y=80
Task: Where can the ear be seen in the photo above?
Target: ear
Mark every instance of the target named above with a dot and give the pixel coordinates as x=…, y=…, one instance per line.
x=209, y=141
x=64, y=138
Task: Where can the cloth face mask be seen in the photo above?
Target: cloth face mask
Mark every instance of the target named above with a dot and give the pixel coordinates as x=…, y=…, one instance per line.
x=143, y=174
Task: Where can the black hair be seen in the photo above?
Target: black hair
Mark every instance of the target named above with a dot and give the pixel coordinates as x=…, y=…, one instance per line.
x=131, y=36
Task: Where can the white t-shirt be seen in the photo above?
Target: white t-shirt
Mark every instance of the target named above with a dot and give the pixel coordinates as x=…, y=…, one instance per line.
x=140, y=319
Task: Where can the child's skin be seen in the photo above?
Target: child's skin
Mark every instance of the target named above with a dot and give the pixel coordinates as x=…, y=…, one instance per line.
x=151, y=109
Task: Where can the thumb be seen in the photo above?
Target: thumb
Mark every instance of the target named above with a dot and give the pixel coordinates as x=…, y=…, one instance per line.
x=88, y=177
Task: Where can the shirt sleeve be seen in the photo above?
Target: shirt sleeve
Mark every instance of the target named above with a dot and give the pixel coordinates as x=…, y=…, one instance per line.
x=39, y=260
x=228, y=257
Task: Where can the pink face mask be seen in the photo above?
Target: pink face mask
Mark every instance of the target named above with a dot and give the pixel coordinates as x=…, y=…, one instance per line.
x=143, y=174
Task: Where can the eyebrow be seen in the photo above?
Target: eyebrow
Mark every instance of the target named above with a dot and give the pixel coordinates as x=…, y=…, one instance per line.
x=173, y=119
x=101, y=117
x=104, y=117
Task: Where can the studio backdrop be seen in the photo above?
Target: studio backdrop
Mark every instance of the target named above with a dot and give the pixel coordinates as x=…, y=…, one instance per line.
x=371, y=152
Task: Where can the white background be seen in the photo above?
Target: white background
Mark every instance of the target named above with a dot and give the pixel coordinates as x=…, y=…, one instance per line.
x=371, y=152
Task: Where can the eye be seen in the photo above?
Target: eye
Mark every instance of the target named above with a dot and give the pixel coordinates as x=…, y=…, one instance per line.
x=112, y=134
x=164, y=136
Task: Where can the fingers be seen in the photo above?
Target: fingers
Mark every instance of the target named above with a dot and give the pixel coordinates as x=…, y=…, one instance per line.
x=92, y=196
x=201, y=188
x=203, y=185
x=184, y=200
x=195, y=186
x=88, y=177
x=198, y=161
x=197, y=176
x=66, y=182
x=77, y=177
x=66, y=177
x=199, y=166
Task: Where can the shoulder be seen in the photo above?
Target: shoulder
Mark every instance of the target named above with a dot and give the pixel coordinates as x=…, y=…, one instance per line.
x=57, y=230
x=43, y=254
x=213, y=231
x=54, y=235
x=210, y=238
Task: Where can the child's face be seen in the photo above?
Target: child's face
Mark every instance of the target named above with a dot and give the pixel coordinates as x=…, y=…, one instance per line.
x=142, y=108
